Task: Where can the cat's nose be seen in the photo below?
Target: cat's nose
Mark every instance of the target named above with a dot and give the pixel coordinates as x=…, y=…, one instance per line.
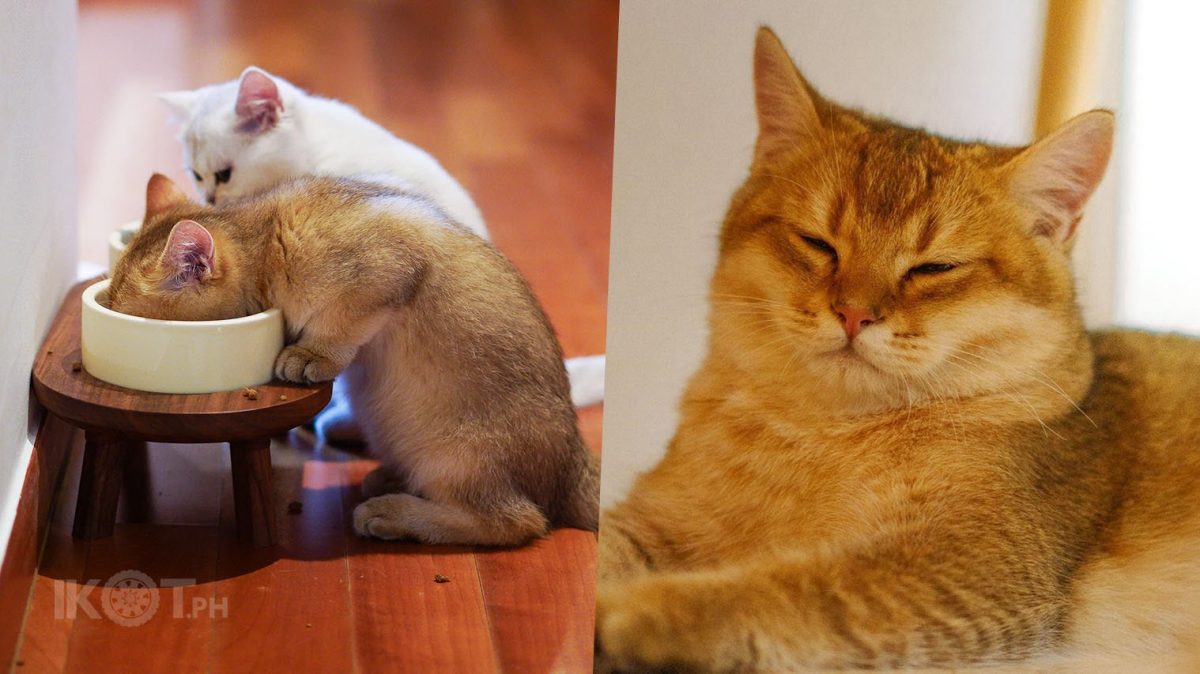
x=211, y=198
x=854, y=319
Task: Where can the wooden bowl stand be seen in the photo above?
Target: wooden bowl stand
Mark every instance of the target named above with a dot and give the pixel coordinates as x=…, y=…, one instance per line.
x=117, y=422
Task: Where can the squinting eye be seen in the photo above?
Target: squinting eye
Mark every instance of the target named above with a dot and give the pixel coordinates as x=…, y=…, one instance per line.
x=197, y=176
x=930, y=268
x=223, y=175
x=821, y=245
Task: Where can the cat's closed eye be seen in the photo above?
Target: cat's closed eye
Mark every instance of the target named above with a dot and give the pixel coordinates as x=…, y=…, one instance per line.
x=931, y=268
x=223, y=175
x=196, y=175
x=821, y=245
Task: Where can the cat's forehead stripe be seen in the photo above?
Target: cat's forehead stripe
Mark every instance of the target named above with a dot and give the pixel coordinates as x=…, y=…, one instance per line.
x=893, y=177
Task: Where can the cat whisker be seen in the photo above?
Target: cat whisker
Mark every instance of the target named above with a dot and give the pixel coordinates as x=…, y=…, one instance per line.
x=1038, y=376
x=761, y=329
x=784, y=179
x=795, y=352
x=751, y=309
x=964, y=364
x=724, y=297
x=908, y=408
x=948, y=404
x=770, y=344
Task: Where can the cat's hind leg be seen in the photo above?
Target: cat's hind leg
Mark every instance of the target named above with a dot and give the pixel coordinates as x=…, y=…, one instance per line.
x=512, y=521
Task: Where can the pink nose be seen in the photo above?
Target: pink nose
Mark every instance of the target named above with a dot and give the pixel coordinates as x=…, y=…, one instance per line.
x=854, y=319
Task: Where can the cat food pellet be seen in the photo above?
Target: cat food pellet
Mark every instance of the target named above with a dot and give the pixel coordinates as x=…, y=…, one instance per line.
x=295, y=508
x=308, y=624
x=439, y=578
x=283, y=397
x=76, y=366
x=250, y=394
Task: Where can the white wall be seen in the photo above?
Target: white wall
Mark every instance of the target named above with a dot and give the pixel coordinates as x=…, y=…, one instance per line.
x=37, y=210
x=685, y=128
x=1159, y=271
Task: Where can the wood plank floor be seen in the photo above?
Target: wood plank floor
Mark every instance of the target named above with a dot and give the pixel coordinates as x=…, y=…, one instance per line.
x=516, y=100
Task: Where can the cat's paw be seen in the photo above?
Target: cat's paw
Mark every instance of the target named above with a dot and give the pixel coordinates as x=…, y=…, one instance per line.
x=630, y=636
x=304, y=366
x=383, y=517
x=649, y=626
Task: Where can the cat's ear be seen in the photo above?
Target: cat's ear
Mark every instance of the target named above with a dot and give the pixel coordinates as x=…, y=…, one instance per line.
x=189, y=256
x=786, y=104
x=1056, y=175
x=162, y=193
x=258, y=101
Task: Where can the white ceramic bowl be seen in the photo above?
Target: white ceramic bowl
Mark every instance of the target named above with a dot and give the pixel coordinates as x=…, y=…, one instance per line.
x=177, y=356
x=118, y=239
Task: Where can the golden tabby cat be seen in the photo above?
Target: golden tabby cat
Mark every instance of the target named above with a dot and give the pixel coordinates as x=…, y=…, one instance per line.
x=448, y=356
x=903, y=449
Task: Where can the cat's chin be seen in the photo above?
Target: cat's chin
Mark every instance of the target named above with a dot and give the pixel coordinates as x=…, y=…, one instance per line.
x=848, y=357
x=847, y=381
x=855, y=361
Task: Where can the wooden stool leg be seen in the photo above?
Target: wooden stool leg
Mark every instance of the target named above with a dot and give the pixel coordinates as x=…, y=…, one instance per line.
x=252, y=491
x=136, y=491
x=100, y=484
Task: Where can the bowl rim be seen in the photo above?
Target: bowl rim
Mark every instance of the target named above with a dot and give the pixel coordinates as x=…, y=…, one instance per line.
x=131, y=228
x=90, y=302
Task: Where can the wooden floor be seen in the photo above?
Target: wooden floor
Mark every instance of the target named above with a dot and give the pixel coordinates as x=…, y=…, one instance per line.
x=516, y=100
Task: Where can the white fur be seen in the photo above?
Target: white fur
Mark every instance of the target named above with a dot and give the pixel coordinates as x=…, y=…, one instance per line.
x=320, y=136
x=314, y=136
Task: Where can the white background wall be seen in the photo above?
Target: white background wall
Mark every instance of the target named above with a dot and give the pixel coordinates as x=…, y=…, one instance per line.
x=37, y=210
x=685, y=129
x=1159, y=243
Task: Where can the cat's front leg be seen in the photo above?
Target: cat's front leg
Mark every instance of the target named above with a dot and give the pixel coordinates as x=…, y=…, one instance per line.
x=923, y=601
x=328, y=342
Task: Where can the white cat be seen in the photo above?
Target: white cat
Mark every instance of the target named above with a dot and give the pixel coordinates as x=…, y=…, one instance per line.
x=247, y=135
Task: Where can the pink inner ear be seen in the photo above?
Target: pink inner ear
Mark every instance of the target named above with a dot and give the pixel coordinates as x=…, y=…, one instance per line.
x=258, y=102
x=189, y=255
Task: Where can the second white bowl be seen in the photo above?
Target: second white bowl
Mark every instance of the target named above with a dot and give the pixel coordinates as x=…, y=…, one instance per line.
x=118, y=239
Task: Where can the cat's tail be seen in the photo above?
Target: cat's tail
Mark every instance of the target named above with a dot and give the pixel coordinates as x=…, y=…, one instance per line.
x=579, y=507
x=586, y=374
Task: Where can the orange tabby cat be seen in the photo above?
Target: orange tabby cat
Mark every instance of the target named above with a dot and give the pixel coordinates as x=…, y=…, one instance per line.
x=903, y=449
x=447, y=354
